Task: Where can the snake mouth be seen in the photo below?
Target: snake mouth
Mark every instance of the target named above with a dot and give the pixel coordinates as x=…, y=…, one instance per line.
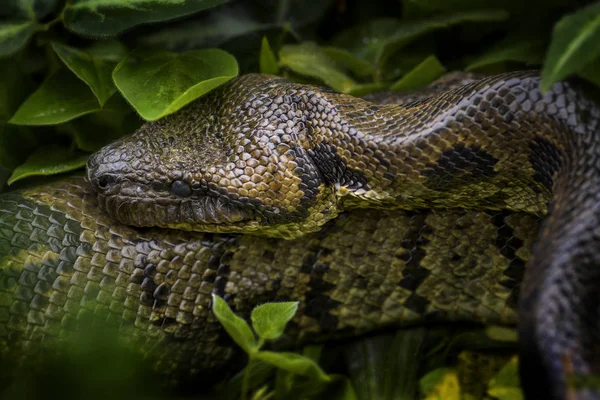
x=141, y=205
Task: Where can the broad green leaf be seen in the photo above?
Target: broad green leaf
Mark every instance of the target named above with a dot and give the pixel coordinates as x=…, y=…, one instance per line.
x=269, y=320
x=441, y=384
x=294, y=363
x=529, y=52
x=14, y=35
x=574, y=45
x=94, y=71
x=109, y=17
x=505, y=385
x=49, y=160
x=158, y=83
x=110, y=50
x=268, y=62
x=308, y=59
x=349, y=61
x=378, y=39
x=236, y=327
x=423, y=74
x=61, y=98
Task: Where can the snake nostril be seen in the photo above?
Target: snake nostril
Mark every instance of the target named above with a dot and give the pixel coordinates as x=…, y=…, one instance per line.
x=104, y=181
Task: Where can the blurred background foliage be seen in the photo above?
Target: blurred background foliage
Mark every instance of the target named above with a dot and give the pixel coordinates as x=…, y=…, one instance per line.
x=76, y=74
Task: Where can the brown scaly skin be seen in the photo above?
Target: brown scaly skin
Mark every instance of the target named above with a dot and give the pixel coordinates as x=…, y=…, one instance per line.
x=62, y=260
x=266, y=156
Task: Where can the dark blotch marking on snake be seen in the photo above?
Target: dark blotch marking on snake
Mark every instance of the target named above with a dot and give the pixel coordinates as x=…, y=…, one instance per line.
x=546, y=160
x=508, y=244
x=413, y=274
x=318, y=302
x=460, y=165
x=334, y=169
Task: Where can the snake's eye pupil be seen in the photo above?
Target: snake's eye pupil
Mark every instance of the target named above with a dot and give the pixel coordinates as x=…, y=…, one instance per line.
x=181, y=189
x=105, y=180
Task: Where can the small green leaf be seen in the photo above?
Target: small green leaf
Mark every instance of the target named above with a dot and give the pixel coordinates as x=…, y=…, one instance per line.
x=574, y=45
x=49, y=160
x=308, y=59
x=441, y=383
x=14, y=35
x=269, y=320
x=109, y=17
x=529, y=52
x=294, y=363
x=501, y=333
x=505, y=385
x=423, y=74
x=158, y=83
x=61, y=97
x=378, y=39
x=268, y=62
x=236, y=327
x=349, y=61
x=363, y=89
x=94, y=71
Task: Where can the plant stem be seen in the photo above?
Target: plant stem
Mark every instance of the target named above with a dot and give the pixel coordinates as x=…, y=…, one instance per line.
x=246, y=380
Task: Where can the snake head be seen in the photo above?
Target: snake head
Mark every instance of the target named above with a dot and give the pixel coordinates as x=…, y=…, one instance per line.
x=236, y=160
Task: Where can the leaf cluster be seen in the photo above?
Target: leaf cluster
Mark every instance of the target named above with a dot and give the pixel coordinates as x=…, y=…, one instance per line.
x=79, y=73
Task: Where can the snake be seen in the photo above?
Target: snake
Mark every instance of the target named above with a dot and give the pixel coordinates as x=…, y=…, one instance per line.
x=476, y=201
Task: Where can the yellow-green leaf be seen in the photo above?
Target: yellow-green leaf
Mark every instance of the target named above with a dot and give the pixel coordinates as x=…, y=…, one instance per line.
x=574, y=44
x=426, y=72
x=267, y=61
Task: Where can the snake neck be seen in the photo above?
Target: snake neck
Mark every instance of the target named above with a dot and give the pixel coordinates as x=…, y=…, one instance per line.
x=483, y=145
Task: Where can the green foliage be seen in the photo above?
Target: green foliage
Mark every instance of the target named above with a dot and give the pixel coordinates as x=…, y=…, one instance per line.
x=166, y=54
x=574, y=44
x=158, y=83
x=78, y=74
x=268, y=321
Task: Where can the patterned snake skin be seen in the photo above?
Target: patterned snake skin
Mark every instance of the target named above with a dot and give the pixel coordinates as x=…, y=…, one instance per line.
x=398, y=214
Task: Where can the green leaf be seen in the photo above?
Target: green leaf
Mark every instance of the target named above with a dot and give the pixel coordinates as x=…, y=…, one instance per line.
x=109, y=17
x=308, y=59
x=236, y=327
x=501, y=333
x=441, y=383
x=505, y=385
x=49, y=160
x=294, y=363
x=378, y=39
x=61, y=97
x=349, y=61
x=158, y=83
x=14, y=36
x=94, y=71
x=529, y=52
x=574, y=45
x=269, y=320
x=268, y=62
x=423, y=74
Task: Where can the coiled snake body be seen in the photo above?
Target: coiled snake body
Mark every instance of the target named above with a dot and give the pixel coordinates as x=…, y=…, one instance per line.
x=396, y=213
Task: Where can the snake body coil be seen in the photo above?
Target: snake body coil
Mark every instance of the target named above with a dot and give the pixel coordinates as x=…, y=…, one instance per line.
x=271, y=158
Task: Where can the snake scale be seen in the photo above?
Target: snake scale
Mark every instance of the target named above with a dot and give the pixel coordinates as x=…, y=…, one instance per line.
x=370, y=215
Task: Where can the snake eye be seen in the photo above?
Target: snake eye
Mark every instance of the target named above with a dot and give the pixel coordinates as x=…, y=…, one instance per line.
x=181, y=189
